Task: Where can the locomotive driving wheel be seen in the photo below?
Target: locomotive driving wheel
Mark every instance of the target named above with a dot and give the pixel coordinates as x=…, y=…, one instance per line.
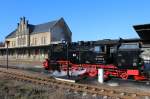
x=124, y=76
x=93, y=72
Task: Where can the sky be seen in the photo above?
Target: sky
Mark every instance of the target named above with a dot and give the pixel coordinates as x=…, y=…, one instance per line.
x=87, y=19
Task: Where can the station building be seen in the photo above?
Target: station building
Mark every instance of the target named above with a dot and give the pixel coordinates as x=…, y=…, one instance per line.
x=31, y=42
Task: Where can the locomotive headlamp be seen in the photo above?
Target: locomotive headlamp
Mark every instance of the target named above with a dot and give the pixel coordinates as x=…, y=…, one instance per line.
x=74, y=55
x=134, y=64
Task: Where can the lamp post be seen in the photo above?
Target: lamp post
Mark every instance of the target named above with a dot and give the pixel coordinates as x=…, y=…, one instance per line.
x=7, y=52
x=67, y=60
x=67, y=55
x=79, y=45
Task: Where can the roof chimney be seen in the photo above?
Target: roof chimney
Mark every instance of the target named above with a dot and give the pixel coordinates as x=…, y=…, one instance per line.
x=17, y=24
x=23, y=19
x=27, y=22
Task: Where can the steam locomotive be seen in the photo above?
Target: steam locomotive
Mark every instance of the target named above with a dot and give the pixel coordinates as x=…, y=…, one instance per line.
x=117, y=58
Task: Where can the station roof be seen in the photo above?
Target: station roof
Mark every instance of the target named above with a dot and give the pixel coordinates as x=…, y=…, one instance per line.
x=39, y=28
x=143, y=31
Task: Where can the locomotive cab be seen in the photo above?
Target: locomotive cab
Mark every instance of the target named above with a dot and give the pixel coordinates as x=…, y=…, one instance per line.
x=128, y=56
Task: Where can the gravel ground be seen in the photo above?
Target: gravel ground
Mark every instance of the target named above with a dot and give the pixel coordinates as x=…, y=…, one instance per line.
x=138, y=85
x=127, y=85
x=12, y=89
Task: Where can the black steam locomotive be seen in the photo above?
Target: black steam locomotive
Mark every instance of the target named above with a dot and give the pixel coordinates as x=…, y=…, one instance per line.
x=117, y=58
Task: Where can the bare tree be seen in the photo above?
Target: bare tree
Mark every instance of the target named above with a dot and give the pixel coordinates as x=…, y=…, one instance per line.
x=2, y=44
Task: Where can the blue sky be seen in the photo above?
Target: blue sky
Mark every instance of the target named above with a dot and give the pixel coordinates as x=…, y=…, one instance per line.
x=87, y=19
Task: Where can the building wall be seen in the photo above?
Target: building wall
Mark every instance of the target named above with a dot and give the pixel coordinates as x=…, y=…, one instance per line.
x=22, y=33
x=40, y=39
x=35, y=40
x=57, y=34
x=22, y=41
x=61, y=32
x=23, y=54
x=12, y=42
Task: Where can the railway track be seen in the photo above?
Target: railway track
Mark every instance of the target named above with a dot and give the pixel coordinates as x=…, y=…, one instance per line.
x=107, y=92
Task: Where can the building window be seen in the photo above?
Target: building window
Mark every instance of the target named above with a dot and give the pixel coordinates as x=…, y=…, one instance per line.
x=19, y=42
x=35, y=41
x=23, y=40
x=13, y=44
x=43, y=40
x=32, y=41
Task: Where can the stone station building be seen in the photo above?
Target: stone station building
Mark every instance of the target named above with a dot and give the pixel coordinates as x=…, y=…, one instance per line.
x=31, y=42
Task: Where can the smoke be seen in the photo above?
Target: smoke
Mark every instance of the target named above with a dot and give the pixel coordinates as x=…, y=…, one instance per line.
x=72, y=73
